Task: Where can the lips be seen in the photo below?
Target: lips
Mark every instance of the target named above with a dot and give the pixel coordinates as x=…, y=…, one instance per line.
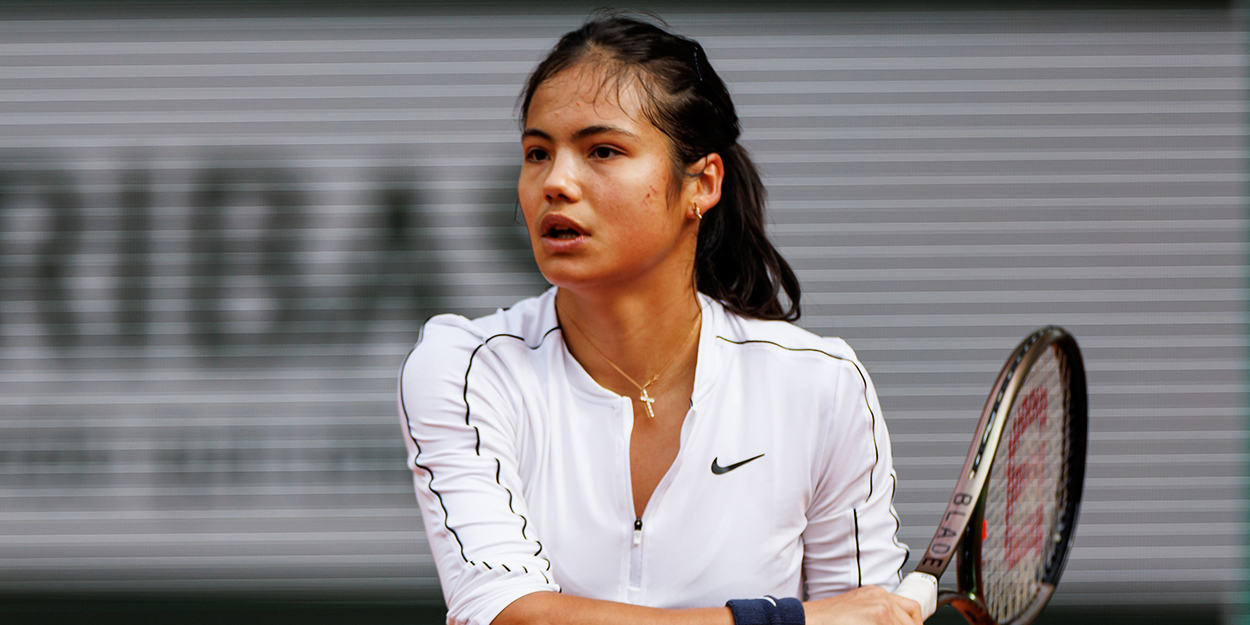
x=561, y=233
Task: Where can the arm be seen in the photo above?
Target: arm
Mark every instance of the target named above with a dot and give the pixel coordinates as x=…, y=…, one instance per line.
x=864, y=606
x=548, y=608
x=852, y=524
x=869, y=605
x=459, y=414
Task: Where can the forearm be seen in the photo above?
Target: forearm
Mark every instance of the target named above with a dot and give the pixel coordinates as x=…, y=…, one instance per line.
x=868, y=605
x=549, y=608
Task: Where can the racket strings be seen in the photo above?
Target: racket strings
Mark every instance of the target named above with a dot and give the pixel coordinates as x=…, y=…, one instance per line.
x=1027, y=489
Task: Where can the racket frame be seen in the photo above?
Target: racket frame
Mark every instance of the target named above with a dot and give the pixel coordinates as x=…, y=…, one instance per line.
x=959, y=532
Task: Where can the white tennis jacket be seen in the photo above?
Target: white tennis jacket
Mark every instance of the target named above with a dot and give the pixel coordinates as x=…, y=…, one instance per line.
x=783, y=484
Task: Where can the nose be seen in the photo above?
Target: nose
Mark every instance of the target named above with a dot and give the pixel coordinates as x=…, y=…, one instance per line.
x=561, y=183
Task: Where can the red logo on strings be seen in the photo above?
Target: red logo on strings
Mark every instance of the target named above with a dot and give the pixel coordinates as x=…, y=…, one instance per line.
x=1024, y=527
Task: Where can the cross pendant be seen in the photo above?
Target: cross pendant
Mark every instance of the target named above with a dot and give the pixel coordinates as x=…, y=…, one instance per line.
x=648, y=400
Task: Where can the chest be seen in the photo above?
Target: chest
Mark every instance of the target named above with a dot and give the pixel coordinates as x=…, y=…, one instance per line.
x=739, y=478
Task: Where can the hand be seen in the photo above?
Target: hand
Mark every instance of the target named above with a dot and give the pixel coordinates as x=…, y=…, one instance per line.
x=869, y=605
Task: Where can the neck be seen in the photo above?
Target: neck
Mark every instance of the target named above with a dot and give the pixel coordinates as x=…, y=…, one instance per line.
x=640, y=332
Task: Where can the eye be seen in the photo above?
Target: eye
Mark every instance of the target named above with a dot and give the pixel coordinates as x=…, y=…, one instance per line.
x=535, y=155
x=603, y=151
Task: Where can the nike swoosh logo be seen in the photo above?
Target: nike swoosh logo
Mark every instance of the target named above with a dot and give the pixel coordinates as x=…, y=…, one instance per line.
x=717, y=469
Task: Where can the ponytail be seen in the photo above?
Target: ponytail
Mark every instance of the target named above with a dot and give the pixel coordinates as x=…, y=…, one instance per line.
x=735, y=262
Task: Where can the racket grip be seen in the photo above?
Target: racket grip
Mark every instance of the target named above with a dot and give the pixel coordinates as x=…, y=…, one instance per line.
x=921, y=588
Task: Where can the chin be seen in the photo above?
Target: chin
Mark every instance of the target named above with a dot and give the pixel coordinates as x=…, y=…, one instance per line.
x=569, y=274
x=566, y=279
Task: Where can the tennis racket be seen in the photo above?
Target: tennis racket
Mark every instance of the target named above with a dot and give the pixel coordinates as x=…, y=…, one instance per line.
x=1010, y=532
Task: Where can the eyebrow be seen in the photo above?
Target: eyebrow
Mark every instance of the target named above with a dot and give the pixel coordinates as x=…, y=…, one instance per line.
x=581, y=134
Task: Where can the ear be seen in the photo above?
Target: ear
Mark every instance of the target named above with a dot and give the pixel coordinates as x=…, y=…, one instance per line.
x=704, y=178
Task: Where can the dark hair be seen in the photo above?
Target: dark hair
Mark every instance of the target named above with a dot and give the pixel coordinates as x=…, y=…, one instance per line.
x=684, y=98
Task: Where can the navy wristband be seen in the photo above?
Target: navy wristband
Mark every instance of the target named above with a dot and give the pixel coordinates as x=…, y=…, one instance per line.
x=767, y=611
x=790, y=612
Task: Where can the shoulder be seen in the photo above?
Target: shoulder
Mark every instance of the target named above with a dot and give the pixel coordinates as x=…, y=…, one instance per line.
x=784, y=341
x=449, y=343
x=815, y=374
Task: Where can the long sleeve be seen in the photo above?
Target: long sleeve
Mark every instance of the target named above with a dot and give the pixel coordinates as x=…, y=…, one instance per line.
x=459, y=415
x=851, y=536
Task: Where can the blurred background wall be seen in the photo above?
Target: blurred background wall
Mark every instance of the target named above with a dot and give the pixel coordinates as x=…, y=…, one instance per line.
x=222, y=225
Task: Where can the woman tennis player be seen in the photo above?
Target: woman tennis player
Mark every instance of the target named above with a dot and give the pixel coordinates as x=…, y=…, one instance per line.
x=650, y=441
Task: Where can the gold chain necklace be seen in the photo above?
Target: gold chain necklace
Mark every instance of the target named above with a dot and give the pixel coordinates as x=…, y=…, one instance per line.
x=646, y=399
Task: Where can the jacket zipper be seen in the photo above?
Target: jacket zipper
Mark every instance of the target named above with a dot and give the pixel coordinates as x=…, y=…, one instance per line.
x=635, y=564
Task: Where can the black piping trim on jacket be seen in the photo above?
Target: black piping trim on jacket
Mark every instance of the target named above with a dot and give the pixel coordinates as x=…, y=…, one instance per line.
x=859, y=571
x=862, y=377
x=477, y=447
x=525, y=523
x=403, y=408
x=898, y=527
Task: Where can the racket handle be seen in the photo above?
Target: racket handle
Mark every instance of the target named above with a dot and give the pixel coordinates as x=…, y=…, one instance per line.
x=921, y=588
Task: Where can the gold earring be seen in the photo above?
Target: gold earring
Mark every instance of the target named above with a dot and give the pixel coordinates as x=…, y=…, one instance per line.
x=697, y=212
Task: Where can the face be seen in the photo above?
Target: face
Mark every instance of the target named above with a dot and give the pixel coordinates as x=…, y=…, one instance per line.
x=598, y=190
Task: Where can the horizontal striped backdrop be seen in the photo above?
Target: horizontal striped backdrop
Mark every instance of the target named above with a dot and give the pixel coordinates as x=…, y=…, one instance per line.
x=221, y=233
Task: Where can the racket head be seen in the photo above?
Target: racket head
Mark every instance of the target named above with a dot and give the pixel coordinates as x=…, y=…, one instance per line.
x=1016, y=543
